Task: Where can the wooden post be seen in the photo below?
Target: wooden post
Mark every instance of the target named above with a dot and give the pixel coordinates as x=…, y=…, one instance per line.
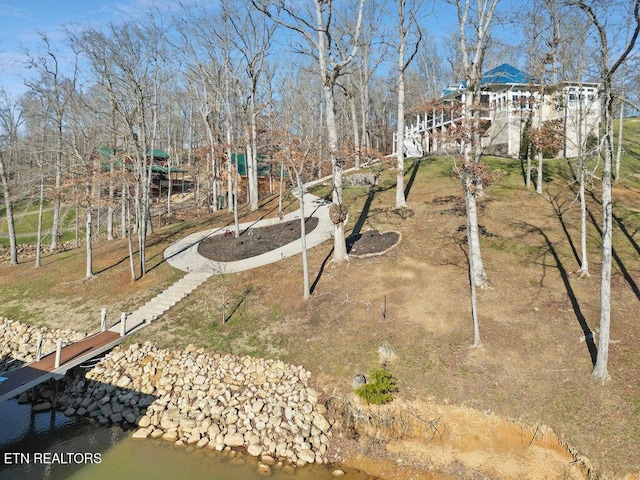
x=39, y=347
x=58, y=353
x=123, y=324
x=103, y=320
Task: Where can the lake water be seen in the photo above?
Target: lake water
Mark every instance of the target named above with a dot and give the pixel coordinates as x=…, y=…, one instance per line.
x=38, y=447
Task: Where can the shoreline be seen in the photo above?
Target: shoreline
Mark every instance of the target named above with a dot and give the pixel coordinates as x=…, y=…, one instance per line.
x=268, y=410
x=188, y=397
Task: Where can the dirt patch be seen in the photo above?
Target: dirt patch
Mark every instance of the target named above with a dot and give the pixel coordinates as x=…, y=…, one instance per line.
x=371, y=242
x=424, y=440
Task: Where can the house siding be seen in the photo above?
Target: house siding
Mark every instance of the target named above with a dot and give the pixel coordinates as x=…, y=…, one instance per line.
x=509, y=107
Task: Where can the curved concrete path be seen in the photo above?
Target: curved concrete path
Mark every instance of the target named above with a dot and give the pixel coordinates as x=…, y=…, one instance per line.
x=184, y=253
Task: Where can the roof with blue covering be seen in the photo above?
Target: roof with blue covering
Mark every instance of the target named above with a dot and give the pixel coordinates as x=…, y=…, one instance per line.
x=506, y=73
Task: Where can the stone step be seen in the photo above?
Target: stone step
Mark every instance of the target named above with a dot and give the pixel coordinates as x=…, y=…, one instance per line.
x=155, y=303
x=162, y=302
x=167, y=298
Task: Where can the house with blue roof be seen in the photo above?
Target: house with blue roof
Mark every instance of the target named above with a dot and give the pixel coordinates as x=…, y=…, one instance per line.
x=512, y=101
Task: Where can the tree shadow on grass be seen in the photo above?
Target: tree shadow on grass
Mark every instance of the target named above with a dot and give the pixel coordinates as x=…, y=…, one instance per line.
x=559, y=209
x=588, y=334
x=621, y=266
x=620, y=222
x=412, y=178
x=626, y=233
x=320, y=271
x=357, y=228
x=241, y=300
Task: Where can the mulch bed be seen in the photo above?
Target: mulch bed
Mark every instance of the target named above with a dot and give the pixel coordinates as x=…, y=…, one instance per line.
x=371, y=242
x=256, y=241
x=253, y=241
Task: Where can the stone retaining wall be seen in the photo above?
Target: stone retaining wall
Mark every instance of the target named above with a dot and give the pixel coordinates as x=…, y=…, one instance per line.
x=189, y=397
x=23, y=251
x=18, y=341
x=26, y=251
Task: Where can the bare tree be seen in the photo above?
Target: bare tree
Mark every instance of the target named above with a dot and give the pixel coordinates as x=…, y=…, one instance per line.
x=543, y=30
x=296, y=140
x=334, y=51
x=126, y=64
x=599, y=14
x=83, y=142
x=9, y=124
x=357, y=87
x=253, y=38
x=53, y=86
x=295, y=154
x=406, y=21
x=474, y=17
x=36, y=119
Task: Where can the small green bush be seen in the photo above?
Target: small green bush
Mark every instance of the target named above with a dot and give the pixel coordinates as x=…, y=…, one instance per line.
x=379, y=389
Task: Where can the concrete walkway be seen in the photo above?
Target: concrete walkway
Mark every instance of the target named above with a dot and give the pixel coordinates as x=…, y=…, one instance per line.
x=184, y=253
x=184, y=256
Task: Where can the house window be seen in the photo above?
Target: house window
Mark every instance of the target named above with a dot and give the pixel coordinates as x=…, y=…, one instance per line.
x=581, y=99
x=522, y=101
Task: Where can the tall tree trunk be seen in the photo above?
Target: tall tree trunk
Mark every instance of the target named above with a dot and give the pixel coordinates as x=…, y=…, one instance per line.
x=600, y=370
x=406, y=20
x=76, y=242
x=339, y=240
x=321, y=147
x=584, y=262
x=89, y=243
x=215, y=181
x=365, y=139
x=110, y=209
x=252, y=162
x=616, y=173
x=229, y=172
x=400, y=198
x=13, y=249
x=357, y=149
x=126, y=227
x=55, y=227
x=619, y=149
x=236, y=224
x=472, y=279
x=303, y=238
x=170, y=186
x=123, y=207
x=527, y=182
x=280, y=213
x=539, y=180
x=40, y=211
x=473, y=235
